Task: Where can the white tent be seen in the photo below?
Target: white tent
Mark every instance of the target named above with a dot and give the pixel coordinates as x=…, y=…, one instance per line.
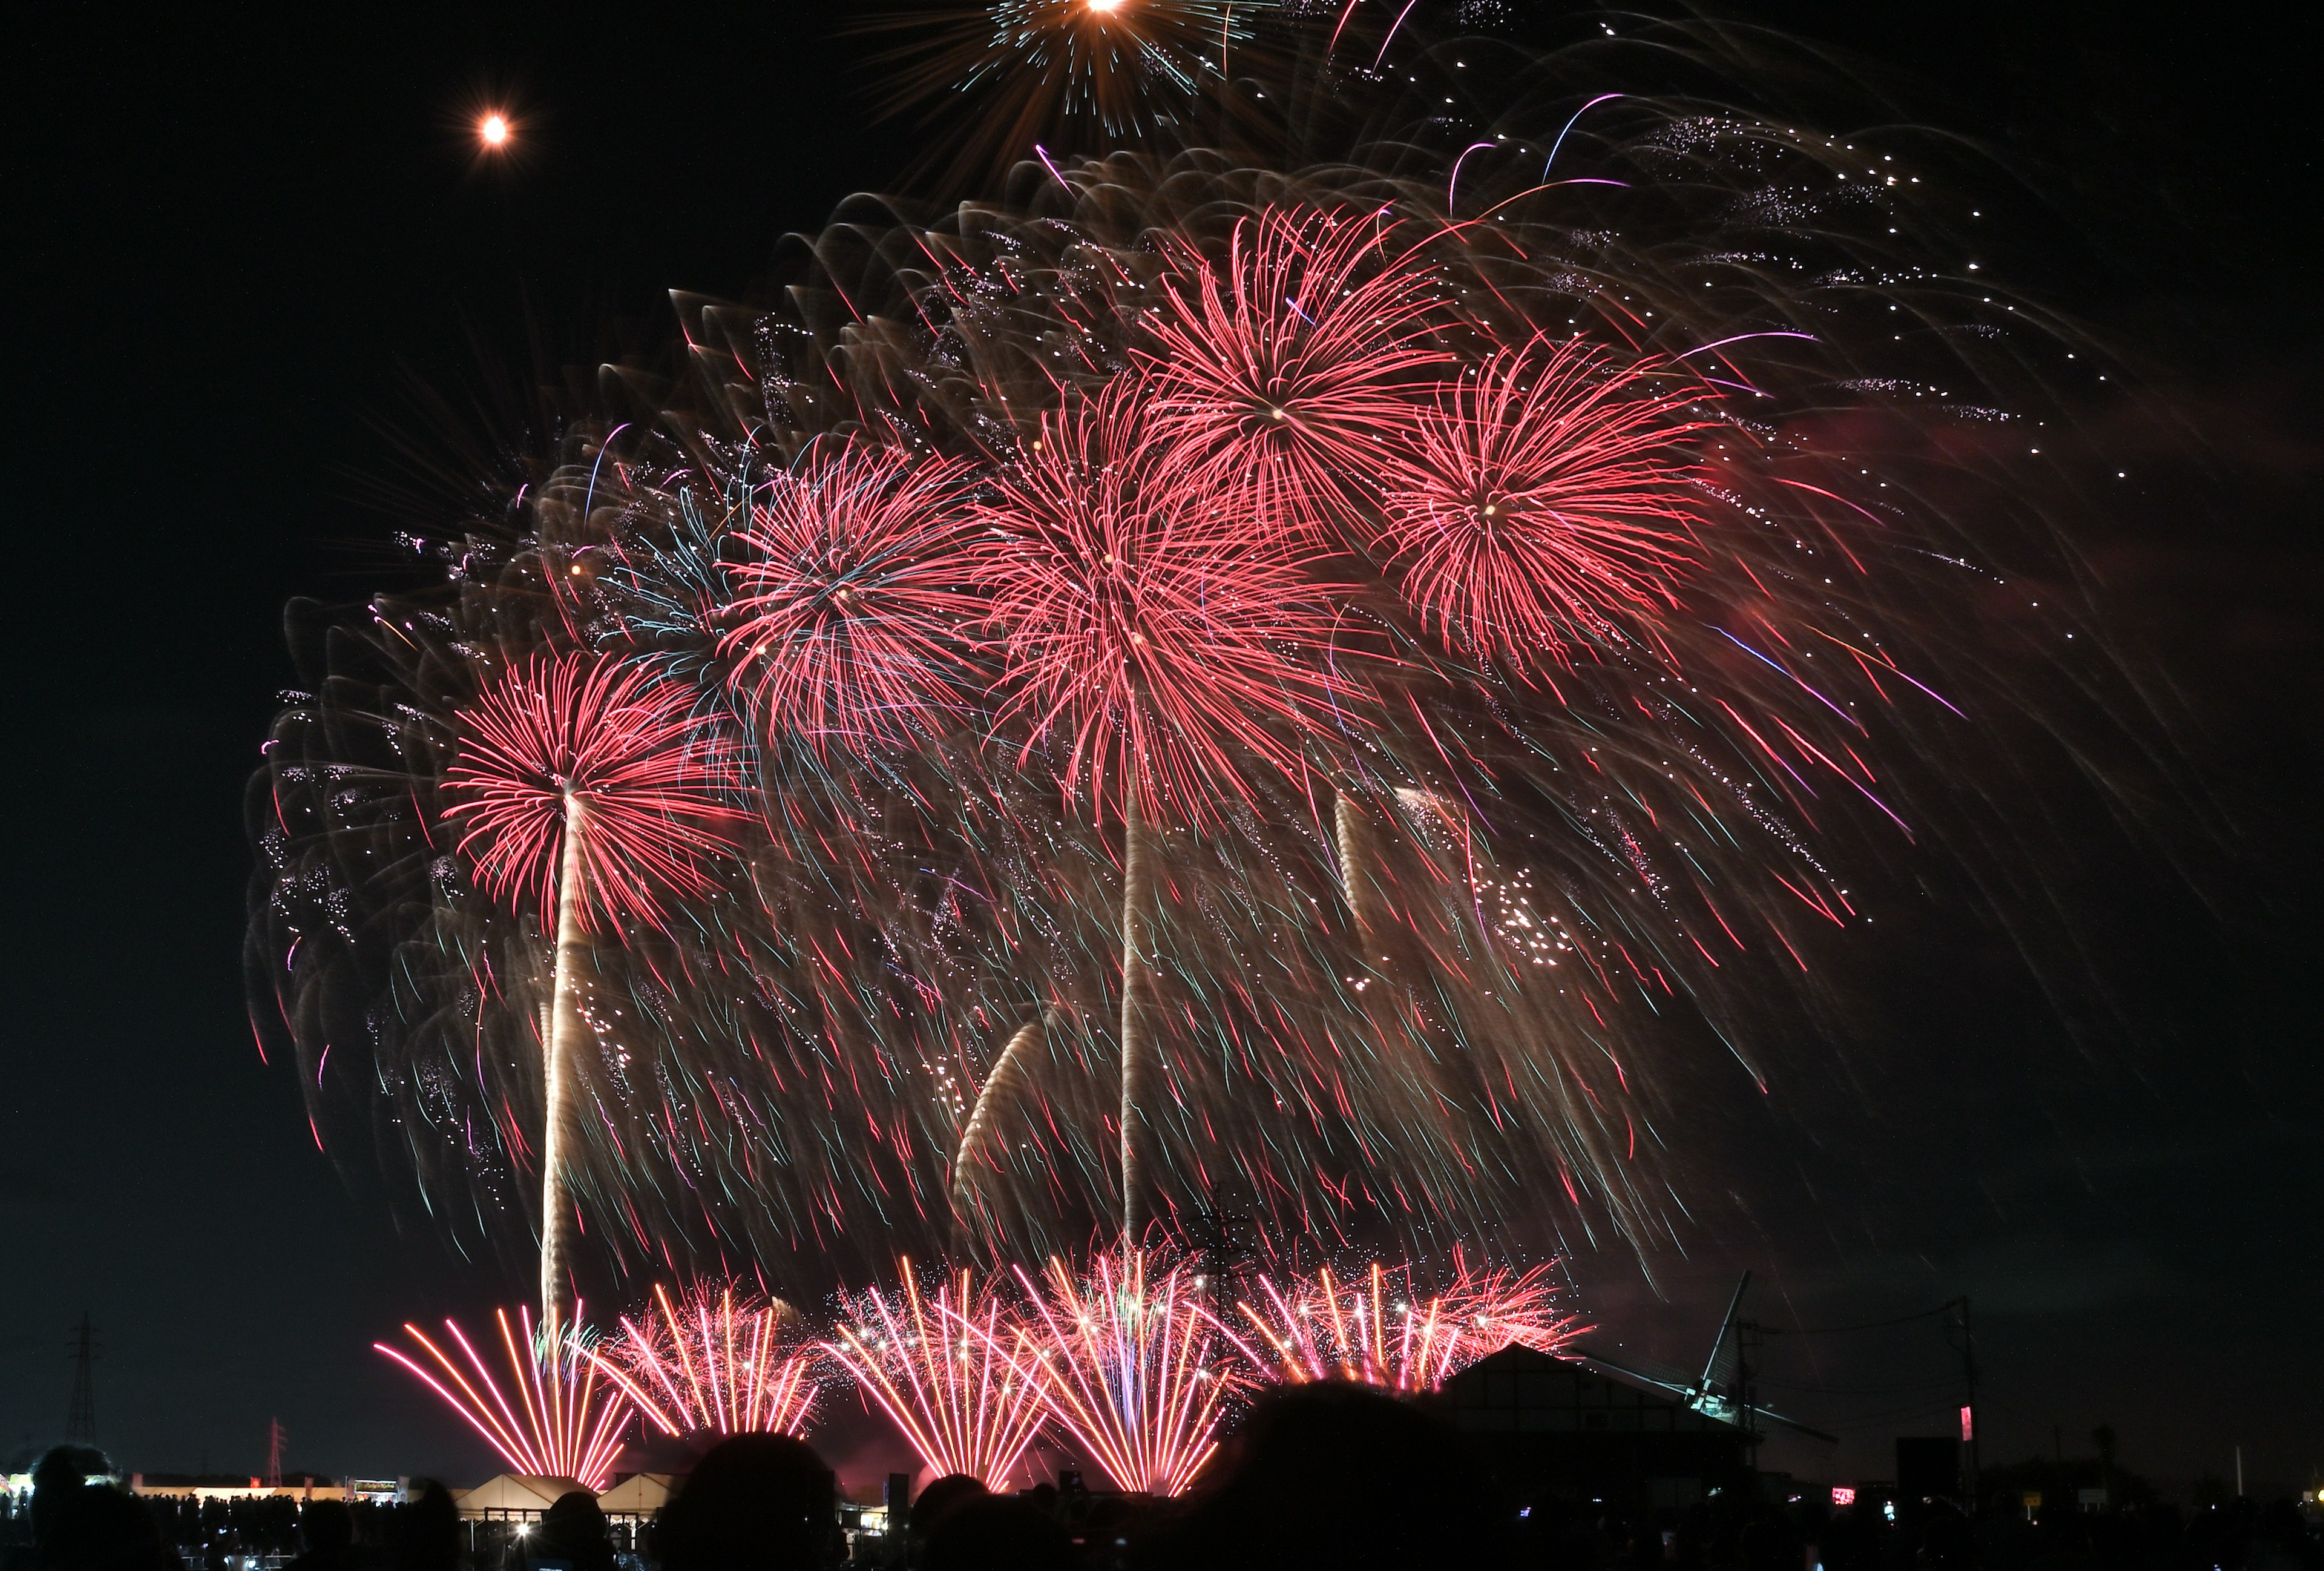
x=640, y=1494
x=521, y=1495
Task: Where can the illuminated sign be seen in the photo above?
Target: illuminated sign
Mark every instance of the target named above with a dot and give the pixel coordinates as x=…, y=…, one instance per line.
x=1842, y=1495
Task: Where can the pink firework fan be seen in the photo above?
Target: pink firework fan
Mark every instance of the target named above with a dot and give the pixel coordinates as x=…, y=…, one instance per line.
x=849, y=623
x=1377, y=1330
x=1169, y=640
x=940, y=1366
x=1287, y=369
x=1550, y=497
x=585, y=783
x=717, y=1361
x=564, y=1423
x=1129, y=1363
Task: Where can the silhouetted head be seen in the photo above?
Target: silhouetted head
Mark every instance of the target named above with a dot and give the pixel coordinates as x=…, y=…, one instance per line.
x=574, y=1529
x=61, y=1472
x=943, y=1497
x=756, y=1502
x=1337, y=1476
x=326, y=1524
x=997, y=1533
x=97, y=1527
x=425, y=1533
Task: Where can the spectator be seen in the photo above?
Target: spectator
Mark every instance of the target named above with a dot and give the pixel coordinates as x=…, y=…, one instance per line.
x=571, y=1535
x=1333, y=1476
x=328, y=1531
x=424, y=1535
x=997, y=1533
x=756, y=1502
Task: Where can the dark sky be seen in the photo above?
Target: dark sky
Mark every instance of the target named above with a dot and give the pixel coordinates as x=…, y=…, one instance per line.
x=242, y=245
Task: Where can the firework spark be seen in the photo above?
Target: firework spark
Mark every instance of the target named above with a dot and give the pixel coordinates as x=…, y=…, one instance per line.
x=720, y=1361
x=940, y=1366
x=1378, y=1330
x=564, y=1423
x=849, y=610
x=1548, y=498
x=1126, y=1362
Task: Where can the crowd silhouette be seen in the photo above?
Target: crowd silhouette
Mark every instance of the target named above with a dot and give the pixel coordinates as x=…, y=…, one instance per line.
x=1341, y=1478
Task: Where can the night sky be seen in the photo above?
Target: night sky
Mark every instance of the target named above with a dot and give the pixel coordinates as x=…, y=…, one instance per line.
x=250, y=254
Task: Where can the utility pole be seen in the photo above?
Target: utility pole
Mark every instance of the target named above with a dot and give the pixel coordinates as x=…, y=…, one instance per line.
x=274, y=1454
x=1968, y=1427
x=80, y=1421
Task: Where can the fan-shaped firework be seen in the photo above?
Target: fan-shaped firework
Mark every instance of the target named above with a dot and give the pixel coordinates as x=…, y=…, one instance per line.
x=1602, y=787
x=940, y=1365
x=563, y=1424
x=1128, y=1363
x=721, y=1361
x=1380, y=1330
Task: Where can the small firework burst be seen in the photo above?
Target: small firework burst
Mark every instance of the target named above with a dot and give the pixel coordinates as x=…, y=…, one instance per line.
x=564, y=1422
x=1377, y=1329
x=720, y=1360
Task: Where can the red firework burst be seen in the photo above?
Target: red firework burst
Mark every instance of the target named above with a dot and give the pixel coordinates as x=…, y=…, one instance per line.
x=1284, y=370
x=601, y=751
x=849, y=623
x=1547, y=498
x=718, y=1360
x=1377, y=1330
x=1128, y=1364
x=1168, y=638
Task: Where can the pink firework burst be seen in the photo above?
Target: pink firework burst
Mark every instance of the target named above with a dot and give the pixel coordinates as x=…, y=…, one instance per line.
x=563, y=1424
x=1129, y=1363
x=718, y=1359
x=849, y=623
x=940, y=1367
x=1284, y=370
x=587, y=760
x=1377, y=1330
x=1549, y=497
x=1166, y=637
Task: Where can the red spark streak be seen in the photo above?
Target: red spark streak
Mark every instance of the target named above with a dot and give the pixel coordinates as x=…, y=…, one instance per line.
x=1380, y=1332
x=1545, y=499
x=626, y=746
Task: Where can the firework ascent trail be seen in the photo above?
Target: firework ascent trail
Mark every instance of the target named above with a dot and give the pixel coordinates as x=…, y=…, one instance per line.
x=1346, y=642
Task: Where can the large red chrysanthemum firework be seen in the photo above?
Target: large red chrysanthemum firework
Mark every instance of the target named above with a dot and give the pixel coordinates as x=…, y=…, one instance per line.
x=1284, y=370
x=577, y=740
x=1167, y=639
x=848, y=625
x=1545, y=499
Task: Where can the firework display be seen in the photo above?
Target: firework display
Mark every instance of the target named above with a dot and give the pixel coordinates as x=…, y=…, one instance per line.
x=1129, y=1364
x=1344, y=674
x=942, y=1366
x=564, y=1422
x=721, y=1362
x=1380, y=1330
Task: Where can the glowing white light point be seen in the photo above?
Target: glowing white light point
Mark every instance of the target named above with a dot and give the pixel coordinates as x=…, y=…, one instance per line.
x=495, y=130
